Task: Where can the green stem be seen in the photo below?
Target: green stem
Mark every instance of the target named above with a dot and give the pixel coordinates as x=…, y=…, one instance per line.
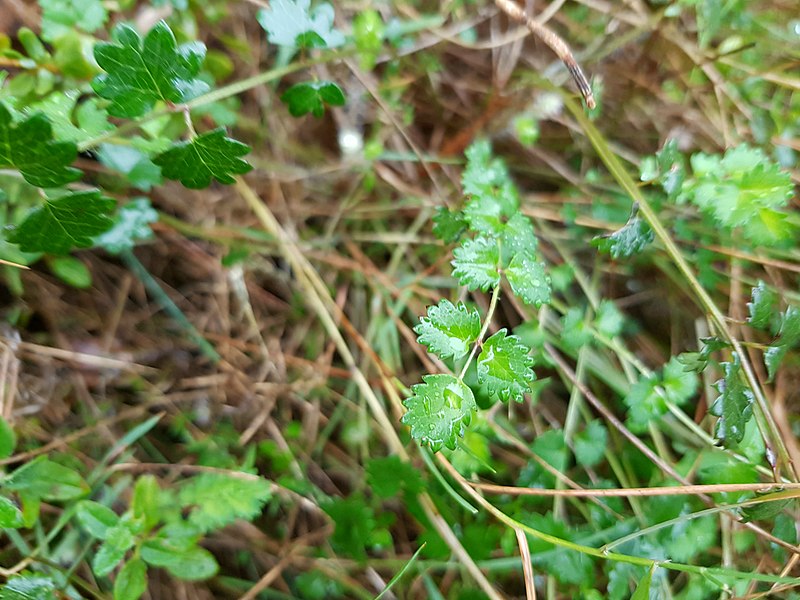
x=486, y=322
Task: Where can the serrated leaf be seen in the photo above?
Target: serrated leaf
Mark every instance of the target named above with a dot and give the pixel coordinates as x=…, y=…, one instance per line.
x=96, y=518
x=631, y=239
x=60, y=109
x=217, y=500
x=131, y=581
x=63, y=16
x=29, y=587
x=734, y=405
x=439, y=410
x=528, y=279
x=449, y=330
x=590, y=444
x=132, y=223
x=517, y=237
x=139, y=73
x=133, y=162
x=504, y=366
x=475, y=263
x=788, y=337
x=493, y=198
x=210, y=155
x=29, y=147
x=311, y=97
x=388, y=475
x=118, y=540
x=762, y=306
x=10, y=515
x=191, y=564
x=294, y=24
x=354, y=522
x=68, y=222
x=448, y=225
x=44, y=479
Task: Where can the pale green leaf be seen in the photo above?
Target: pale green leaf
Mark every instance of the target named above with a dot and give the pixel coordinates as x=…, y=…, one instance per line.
x=449, y=330
x=505, y=366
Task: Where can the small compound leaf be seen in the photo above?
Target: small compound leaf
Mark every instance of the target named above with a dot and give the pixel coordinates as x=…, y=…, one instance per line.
x=217, y=499
x=131, y=581
x=29, y=147
x=132, y=223
x=210, y=155
x=139, y=73
x=439, y=410
x=96, y=518
x=505, y=366
x=448, y=225
x=449, y=330
x=631, y=239
x=493, y=198
x=311, y=97
x=528, y=279
x=292, y=23
x=476, y=263
x=68, y=222
x=734, y=405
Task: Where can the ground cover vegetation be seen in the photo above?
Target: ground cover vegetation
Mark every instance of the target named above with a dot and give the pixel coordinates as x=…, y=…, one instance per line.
x=389, y=300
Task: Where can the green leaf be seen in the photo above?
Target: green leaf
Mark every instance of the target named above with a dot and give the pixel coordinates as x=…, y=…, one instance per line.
x=568, y=566
x=291, y=23
x=47, y=480
x=609, y=320
x=388, y=475
x=493, y=197
x=517, y=237
x=631, y=239
x=644, y=403
x=448, y=330
x=590, y=444
x=762, y=308
x=765, y=510
x=29, y=587
x=207, y=156
x=133, y=162
x=354, y=523
x=118, y=540
x=132, y=223
x=140, y=73
x=311, y=97
x=62, y=16
x=643, y=588
x=96, y=518
x=10, y=515
x=679, y=385
x=71, y=271
x=368, y=32
x=734, y=405
x=439, y=410
x=504, y=366
x=29, y=147
x=528, y=279
x=60, y=109
x=448, y=225
x=8, y=439
x=192, y=564
x=575, y=332
x=145, y=503
x=475, y=263
x=131, y=581
x=68, y=222
x=217, y=499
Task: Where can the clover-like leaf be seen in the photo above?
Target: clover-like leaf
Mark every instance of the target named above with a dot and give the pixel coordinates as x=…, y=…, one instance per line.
x=631, y=239
x=292, y=23
x=68, y=222
x=210, y=155
x=439, y=410
x=504, y=365
x=449, y=330
x=734, y=405
x=29, y=147
x=139, y=73
x=476, y=263
x=528, y=279
x=311, y=97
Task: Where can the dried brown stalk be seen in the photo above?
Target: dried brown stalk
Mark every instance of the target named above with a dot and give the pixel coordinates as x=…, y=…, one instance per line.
x=555, y=43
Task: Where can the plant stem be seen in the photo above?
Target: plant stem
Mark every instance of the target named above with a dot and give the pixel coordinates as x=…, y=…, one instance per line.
x=486, y=322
